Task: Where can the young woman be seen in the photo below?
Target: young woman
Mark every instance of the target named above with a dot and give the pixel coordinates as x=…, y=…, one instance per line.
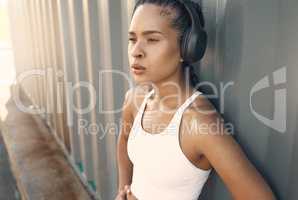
x=163, y=153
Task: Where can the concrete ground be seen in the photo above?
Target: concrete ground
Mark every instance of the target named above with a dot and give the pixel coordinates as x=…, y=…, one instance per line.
x=8, y=188
x=39, y=166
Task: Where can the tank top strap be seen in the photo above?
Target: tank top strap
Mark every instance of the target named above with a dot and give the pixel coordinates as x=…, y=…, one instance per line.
x=147, y=96
x=142, y=108
x=178, y=115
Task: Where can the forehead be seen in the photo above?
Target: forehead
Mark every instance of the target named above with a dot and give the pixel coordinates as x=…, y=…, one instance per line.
x=153, y=17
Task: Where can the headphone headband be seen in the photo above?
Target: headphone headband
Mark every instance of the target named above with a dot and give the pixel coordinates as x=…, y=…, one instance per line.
x=191, y=12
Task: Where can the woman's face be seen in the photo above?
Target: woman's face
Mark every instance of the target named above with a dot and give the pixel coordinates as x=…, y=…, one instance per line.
x=153, y=44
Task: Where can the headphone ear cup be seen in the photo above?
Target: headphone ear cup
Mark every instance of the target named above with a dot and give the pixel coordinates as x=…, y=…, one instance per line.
x=195, y=39
x=203, y=44
x=193, y=45
x=197, y=45
x=185, y=45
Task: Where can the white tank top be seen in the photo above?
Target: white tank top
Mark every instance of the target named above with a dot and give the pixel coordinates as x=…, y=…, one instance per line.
x=161, y=171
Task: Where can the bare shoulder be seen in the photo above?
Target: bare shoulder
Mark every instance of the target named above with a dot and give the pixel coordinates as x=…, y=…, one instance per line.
x=133, y=100
x=201, y=113
x=206, y=125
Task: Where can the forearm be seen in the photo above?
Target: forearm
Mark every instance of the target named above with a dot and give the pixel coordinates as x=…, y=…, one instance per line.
x=268, y=196
x=125, y=176
x=253, y=187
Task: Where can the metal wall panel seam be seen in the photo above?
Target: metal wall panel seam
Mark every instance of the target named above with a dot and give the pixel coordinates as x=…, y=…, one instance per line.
x=75, y=138
x=53, y=63
x=57, y=65
x=42, y=54
x=48, y=69
x=105, y=43
x=65, y=63
x=90, y=117
x=36, y=58
x=34, y=92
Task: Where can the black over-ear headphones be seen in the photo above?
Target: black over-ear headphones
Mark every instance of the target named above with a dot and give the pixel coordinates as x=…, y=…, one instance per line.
x=194, y=41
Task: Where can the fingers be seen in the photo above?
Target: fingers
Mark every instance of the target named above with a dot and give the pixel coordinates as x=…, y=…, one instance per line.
x=121, y=195
x=127, y=189
x=129, y=194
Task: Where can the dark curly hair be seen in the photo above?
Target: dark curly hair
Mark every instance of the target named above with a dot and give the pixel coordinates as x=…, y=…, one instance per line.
x=181, y=23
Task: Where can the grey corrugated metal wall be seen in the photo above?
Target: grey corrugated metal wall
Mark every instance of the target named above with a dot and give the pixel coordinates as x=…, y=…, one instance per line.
x=248, y=40
x=68, y=43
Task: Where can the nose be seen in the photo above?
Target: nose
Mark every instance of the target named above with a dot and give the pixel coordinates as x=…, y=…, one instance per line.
x=137, y=50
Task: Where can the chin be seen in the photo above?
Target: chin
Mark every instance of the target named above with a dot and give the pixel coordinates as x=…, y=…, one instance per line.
x=142, y=80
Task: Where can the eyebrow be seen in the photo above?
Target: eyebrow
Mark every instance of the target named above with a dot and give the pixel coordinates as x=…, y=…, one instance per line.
x=146, y=32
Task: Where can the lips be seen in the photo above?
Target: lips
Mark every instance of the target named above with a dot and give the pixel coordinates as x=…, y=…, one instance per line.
x=138, y=67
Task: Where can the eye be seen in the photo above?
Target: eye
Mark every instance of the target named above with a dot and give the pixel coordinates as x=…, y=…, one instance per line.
x=131, y=39
x=152, y=40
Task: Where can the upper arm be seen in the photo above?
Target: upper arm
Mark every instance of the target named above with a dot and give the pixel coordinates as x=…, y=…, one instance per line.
x=132, y=101
x=229, y=161
x=125, y=167
x=239, y=175
x=127, y=117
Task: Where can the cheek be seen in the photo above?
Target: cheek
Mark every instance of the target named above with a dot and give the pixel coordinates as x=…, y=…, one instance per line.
x=165, y=57
x=128, y=53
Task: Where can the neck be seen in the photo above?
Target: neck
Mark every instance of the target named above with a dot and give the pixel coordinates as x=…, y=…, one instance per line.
x=176, y=88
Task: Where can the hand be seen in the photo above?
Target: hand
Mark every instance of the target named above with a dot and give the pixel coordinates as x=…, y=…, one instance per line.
x=121, y=195
x=129, y=194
